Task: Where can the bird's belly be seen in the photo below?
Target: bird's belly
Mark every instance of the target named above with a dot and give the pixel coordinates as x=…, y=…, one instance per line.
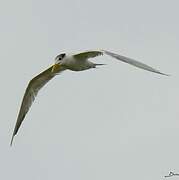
x=78, y=65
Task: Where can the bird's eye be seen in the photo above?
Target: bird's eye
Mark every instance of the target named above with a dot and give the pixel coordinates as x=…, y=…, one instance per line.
x=60, y=57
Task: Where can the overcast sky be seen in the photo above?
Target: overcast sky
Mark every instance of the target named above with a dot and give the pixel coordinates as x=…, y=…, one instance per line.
x=110, y=123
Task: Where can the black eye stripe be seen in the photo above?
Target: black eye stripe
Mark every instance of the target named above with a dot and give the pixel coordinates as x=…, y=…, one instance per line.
x=61, y=56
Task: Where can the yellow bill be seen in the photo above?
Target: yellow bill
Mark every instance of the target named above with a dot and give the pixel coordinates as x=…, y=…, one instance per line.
x=55, y=67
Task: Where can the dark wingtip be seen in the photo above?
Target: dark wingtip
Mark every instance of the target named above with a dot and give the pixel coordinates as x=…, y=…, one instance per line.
x=12, y=139
x=164, y=74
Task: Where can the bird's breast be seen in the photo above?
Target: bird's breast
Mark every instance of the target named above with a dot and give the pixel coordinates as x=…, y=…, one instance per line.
x=76, y=65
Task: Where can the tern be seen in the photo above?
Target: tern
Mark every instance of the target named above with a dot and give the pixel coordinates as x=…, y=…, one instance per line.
x=74, y=62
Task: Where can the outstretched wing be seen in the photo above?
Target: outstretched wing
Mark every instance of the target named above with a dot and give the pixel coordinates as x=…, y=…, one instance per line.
x=87, y=55
x=133, y=62
x=31, y=92
x=92, y=54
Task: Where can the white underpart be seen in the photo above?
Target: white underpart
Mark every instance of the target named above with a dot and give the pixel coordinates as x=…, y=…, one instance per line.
x=75, y=64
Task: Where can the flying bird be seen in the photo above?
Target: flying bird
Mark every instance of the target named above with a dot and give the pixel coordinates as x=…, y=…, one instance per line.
x=75, y=62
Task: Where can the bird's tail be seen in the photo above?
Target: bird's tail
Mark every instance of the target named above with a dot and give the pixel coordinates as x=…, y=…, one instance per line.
x=98, y=64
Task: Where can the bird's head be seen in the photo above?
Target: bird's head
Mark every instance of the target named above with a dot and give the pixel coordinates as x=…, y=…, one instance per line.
x=58, y=60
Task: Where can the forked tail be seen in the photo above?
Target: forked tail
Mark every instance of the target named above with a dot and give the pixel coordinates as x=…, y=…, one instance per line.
x=98, y=65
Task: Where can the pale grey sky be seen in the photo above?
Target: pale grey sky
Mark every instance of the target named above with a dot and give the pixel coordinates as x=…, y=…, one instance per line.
x=114, y=122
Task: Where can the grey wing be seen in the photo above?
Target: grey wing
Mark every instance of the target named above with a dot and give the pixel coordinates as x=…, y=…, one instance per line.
x=31, y=92
x=87, y=55
x=133, y=62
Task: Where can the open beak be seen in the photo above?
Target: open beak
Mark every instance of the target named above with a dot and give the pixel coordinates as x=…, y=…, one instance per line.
x=55, y=67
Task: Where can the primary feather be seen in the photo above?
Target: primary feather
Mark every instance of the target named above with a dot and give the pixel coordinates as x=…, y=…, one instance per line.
x=92, y=54
x=133, y=62
x=31, y=92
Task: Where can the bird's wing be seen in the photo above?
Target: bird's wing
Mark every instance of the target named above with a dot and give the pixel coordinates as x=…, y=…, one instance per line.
x=87, y=55
x=31, y=92
x=92, y=54
x=133, y=62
